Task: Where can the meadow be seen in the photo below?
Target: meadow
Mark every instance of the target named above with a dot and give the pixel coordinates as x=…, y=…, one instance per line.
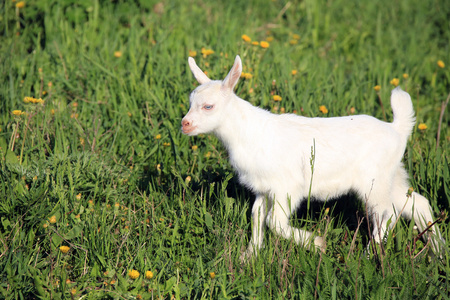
x=102, y=197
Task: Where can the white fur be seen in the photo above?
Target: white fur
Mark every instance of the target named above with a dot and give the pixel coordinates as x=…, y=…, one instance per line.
x=272, y=156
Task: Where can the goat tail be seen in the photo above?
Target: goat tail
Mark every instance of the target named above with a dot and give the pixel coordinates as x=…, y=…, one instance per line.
x=403, y=110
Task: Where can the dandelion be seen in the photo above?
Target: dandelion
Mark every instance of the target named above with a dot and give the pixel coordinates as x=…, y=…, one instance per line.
x=52, y=219
x=327, y=210
x=405, y=75
x=17, y=112
x=208, y=154
x=212, y=275
x=377, y=88
x=293, y=42
x=166, y=144
x=246, y=75
x=264, y=44
x=207, y=52
x=410, y=191
x=133, y=274
x=276, y=98
x=117, y=54
x=157, y=137
x=194, y=148
x=270, y=38
x=422, y=126
x=20, y=4
x=192, y=53
x=246, y=38
x=294, y=72
x=78, y=196
x=255, y=43
x=352, y=110
x=64, y=249
x=148, y=274
x=395, y=81
x=296, y=36
x=323, y=109
x=73, y=291
x=441, y=64
x=139, y=297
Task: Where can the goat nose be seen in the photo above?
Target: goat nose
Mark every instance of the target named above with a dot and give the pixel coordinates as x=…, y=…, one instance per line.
x=185, y=123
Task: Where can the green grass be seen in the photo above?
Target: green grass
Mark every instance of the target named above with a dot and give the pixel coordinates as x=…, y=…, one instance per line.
x=104, y=157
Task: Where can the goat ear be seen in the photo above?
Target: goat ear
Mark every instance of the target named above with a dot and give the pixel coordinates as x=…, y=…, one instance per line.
x=197, y=72
x=233, y=76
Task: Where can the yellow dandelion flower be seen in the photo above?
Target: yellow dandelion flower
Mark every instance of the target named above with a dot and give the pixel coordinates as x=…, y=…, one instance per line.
x=323, y=109
x=276, y=98
x=157, y=137
x=208, y=154
x=166, y=144
x=45, y=225
x=192, y=53
x=264, y=44
x=212, y=275
x=78, y=196
x=293, y=42
x=52, y=111
x=207, y=52
x=52, y=219
x=377, y=88
x=117, y=204
x=117, y=54
x=296, y=36
x=188, y=179
x=405, y=75
x=246, y=38
x=246, y=75
x=255, y=43
x=16, y=112
x=139, y=297
x=294, y=72
x=27, y=99
x=195, y=147
x=20, y=4
x=422, y=126
x=395, y=81
x=352, y=110
x=148, y=274
x=73, y=291
x=133, y=274
x=269, y=39
x=440, y=64
x=64, y=249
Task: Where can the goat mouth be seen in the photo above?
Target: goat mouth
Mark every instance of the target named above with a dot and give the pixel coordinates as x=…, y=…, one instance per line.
x=188, y=130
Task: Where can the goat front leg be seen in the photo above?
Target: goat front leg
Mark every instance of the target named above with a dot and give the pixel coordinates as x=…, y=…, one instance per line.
x=278, y=221
x=259, y=212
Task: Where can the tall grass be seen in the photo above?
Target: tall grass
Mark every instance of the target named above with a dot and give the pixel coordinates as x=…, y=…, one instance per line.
x=102, y=168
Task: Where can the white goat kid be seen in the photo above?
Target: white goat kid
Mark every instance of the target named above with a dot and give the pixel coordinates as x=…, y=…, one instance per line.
x=271, y=154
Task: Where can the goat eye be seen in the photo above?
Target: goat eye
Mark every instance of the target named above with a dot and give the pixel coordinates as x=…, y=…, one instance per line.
x=208, y=107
